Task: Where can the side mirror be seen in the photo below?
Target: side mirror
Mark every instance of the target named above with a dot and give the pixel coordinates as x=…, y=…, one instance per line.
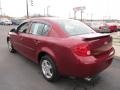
x=13, y=30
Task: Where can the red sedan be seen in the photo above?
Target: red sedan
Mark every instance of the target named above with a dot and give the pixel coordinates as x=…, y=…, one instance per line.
x=62, y=47
x=108, y=27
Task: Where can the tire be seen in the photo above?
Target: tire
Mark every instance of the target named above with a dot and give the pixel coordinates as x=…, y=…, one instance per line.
x=48, y=69
x=10, y=47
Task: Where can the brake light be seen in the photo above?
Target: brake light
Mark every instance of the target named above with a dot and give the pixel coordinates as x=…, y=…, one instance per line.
x=113, y=27
x=82, y=50
x=100, y=27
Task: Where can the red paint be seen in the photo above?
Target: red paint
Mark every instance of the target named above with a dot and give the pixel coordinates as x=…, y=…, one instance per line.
x=112, y=27
x=66, y=50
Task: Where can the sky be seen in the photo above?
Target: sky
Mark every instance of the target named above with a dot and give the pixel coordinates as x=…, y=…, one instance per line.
x=94, y=9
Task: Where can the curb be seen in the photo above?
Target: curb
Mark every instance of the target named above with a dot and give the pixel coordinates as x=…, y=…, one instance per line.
x=116, y=57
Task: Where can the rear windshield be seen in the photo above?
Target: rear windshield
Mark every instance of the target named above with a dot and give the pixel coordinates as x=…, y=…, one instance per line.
x=74, y=27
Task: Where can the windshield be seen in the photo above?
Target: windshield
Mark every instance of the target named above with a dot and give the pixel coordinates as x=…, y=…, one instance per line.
x=74, y=27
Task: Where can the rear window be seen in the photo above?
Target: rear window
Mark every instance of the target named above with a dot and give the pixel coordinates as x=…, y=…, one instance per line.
x=74, y=27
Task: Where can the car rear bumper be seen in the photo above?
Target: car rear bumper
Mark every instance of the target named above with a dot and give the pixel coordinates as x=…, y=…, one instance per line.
x=90, y=70
x=105, y=30
x=92, y=65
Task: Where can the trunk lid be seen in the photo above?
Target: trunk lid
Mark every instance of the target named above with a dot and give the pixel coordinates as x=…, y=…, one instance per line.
x=98, y=43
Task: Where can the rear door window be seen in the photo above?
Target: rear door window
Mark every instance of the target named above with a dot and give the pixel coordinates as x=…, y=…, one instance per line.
x=45, y=30
x=39, y=29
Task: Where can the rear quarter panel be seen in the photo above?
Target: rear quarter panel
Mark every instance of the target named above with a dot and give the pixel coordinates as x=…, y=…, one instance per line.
x=60, y=51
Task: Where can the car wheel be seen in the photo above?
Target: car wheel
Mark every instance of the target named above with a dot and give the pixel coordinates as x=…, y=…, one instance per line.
x=48, y=69
x=10, y=47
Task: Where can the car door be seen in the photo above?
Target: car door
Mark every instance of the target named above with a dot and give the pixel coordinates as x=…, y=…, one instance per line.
x=32, y=39
x=22, y=31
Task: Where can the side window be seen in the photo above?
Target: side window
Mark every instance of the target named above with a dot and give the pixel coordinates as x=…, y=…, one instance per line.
x=45, y=30
x=23, y=28
x=39, y=29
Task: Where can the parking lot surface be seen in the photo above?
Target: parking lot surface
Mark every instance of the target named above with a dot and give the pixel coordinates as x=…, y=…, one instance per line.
x=19, y=73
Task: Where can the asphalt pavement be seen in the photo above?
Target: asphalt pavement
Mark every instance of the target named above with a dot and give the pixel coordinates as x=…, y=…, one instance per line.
x=19, y=73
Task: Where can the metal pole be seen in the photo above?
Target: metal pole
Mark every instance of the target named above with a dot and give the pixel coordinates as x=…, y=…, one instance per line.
x=81, y=14
x=0, y=8
x=27, y=9
x=44, y=11
x=75, y=14
x=91, y=17
x=48, y=10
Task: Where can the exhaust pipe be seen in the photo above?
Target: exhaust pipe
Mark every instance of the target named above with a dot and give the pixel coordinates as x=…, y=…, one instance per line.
x=88, y=79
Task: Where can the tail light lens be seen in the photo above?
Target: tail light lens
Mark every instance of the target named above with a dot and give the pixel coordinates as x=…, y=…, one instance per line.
x=82, y=50
x=113, y=27
x=100, y=27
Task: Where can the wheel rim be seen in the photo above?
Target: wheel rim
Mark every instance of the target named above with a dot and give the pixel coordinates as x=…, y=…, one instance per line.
x=47, y=69
x=9, y=45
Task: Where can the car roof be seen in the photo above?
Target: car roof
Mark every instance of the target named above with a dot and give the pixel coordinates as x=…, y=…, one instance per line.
x=49, y=19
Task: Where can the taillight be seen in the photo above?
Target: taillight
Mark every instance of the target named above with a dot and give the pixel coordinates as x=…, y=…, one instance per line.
x=113, y=27
x=82, y=50
x=100, y=27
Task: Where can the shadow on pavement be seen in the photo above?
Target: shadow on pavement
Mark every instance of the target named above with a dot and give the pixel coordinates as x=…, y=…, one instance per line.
x=117, y=58
x=77, y=83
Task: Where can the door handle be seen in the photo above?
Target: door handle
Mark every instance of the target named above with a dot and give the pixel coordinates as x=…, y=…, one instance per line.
x=36, y=42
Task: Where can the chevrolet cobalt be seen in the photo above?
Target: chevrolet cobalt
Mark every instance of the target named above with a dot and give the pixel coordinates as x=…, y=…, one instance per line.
x=62, y=47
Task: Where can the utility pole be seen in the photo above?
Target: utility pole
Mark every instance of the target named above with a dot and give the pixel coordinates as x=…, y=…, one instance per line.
x=81, y=14
x=48, y=10
x=75, y=14
x=91, y=17
x=0, y=8
x=44, y=11
x=82, y=10
x=27, y=9
x=75, y=11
